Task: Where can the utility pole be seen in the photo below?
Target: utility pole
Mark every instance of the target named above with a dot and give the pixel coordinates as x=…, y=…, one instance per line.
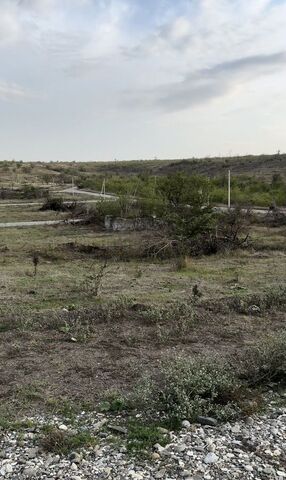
x=228, y=190
x=103, y=188
x=72, y=187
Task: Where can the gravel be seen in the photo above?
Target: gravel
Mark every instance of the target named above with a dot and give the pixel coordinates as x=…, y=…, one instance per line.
x=250, y=449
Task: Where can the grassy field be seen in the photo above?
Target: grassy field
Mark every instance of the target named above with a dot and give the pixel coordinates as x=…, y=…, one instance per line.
x=28, y=213
x=54, y=342
x=65, y=270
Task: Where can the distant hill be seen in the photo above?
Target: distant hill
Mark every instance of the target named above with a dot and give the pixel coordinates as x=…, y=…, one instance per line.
x=262, y=166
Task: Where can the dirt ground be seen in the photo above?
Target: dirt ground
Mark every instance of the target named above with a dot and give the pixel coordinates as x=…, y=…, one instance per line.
x=48, y=365
x=41, y=362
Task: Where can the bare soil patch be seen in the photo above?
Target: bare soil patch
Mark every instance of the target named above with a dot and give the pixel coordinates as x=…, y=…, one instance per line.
x=44, y=363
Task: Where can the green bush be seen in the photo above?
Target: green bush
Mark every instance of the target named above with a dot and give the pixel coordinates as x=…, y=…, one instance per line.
x=113, y=402
x=55, y=204
x=187, y=388
x=143, y=437
x=30, y=191
x=113, y=208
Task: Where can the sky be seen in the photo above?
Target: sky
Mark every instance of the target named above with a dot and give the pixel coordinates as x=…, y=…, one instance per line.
x=93, y=80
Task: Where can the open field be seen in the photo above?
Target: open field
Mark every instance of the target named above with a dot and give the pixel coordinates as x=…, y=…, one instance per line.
x=164, y=320
x=40, y=313
x=28, y=213
x=107, y=351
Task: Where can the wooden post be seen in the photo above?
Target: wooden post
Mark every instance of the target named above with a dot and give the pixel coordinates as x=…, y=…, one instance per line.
x=229, y=197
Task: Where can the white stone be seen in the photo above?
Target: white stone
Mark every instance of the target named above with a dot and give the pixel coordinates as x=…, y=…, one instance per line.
x=63, y=427
x=186, y=424
x=248, y=468
x=211, y=458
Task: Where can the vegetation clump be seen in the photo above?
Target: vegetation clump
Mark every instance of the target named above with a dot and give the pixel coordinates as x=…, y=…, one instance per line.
x=272, y=299
x=142, y=437
x=183, y=219
x=54, y=203
x=62, y=443
x=266, y=361
x=173, y=321
x=186, y=388
x=189, y=388
x=247, y=190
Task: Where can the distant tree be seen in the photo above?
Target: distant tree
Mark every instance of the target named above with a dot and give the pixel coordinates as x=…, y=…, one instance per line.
x=182, y=189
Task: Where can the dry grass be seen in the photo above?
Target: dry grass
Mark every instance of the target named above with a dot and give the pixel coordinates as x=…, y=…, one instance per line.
x=27, y=213
x=79, y=353
x=62, y=273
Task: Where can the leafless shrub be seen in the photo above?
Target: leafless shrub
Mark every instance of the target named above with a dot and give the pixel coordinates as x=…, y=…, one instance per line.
x=275, y=218
x=35, y=260
x=93, y=280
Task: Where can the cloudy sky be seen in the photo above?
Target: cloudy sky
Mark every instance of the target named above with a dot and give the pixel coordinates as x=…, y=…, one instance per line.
x=105, y=79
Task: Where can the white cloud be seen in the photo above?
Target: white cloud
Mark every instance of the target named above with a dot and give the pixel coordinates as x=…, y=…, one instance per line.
x=12, y=91
x=37, y=5
x=85, y=56
x=9, y=24
x=210, y=50
x=48, y=5
x=202, y=86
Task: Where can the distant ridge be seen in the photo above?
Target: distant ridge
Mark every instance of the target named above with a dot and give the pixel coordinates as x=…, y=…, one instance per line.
x=262, y=166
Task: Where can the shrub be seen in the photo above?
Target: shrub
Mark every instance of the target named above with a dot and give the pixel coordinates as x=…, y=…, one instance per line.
x=199, y=231
x=172, y=321
x=188, y=388
x=113, y=402
x=56, y=204
x=30, y=191
x=275, y=219
x=181, y=189
x=265, y=361
x=77, y=329
x=187, y=224
x=59, y=442
x=273, y=298
x=102, y=209
x=233, y=227
x=93, y=280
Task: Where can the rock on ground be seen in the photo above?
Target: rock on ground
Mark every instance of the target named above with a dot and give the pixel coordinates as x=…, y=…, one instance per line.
x=254, y=449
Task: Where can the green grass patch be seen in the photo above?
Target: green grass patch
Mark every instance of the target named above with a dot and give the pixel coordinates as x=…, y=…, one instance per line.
x=142, y=438
x=62, y=443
